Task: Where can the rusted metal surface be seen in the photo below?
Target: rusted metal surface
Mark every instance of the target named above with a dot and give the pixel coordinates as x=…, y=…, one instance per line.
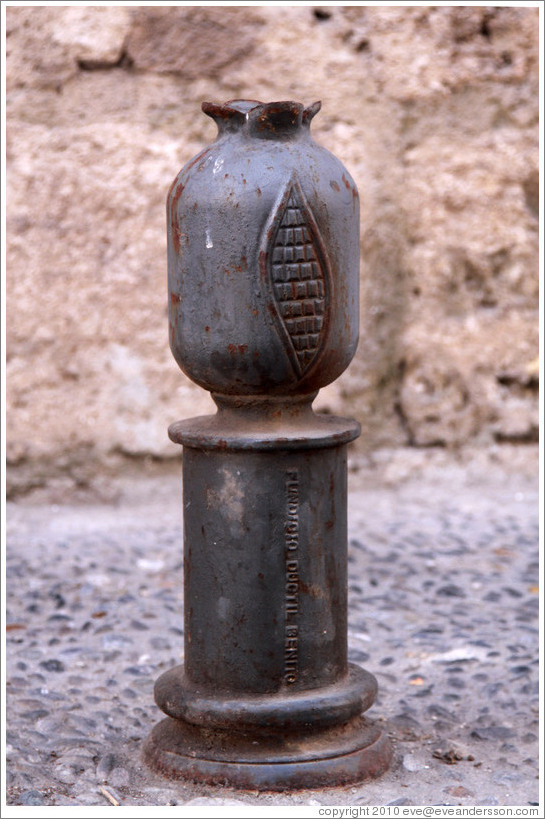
x=267, y=760
x=263, y=240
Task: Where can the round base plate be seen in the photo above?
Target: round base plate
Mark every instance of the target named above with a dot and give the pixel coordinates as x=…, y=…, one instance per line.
x=267, y=760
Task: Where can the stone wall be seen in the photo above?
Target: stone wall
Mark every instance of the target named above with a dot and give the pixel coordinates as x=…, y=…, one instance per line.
x=434, y=110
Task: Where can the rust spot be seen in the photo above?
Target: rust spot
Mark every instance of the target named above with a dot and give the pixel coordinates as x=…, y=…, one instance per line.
x=198, y=158
x=258, y=191
x=334, y=185
x=240, y=348
x=263, y=259
x=175, y=192
x=207, y=328
x=176, y=236
x=346, y=183
x=279, y=118
x=175, y=298
x=255, y=311
x=171, y=189
x=312, y=590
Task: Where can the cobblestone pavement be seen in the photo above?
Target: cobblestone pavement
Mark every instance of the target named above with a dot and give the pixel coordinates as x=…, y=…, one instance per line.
x=443, y=560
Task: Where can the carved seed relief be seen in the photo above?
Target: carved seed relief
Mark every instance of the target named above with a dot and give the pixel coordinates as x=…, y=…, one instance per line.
x=300, y=278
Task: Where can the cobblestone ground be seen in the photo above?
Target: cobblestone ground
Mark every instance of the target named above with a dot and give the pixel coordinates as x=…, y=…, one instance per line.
x=443, y=560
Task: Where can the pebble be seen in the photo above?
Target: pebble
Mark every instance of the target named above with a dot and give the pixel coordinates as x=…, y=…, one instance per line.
x=412, y=762
x=64, y=774
x=151, y=566
x=52, y=665
x=459, y=791
x=31, y=798
x=451, y=590
x=505, y=777
x=105, y=766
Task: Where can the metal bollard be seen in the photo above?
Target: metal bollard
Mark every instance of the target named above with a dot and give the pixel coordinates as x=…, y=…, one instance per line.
x=263, y=249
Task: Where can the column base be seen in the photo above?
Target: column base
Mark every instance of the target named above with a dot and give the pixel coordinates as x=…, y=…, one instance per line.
x=178, y=697
x=269, y=760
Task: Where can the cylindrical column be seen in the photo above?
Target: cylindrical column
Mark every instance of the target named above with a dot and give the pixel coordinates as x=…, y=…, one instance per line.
x=265, y=536
x=265, y=609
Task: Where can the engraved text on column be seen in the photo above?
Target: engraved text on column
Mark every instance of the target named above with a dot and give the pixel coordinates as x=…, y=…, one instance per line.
x=291, y=646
